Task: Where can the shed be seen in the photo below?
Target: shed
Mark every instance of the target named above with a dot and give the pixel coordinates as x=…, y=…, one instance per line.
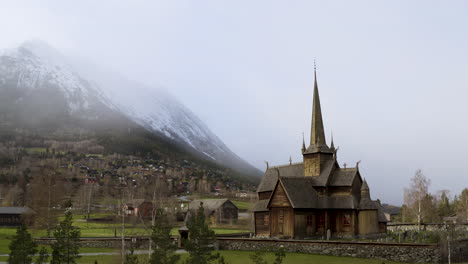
x=14, y=216
x=219, y=211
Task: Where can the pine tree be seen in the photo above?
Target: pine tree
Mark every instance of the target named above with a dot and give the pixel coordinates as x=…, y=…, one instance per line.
x=43, y=256
x=164, y=248
x=201, y=240
x=258, y=257
x=22, y=247
x=280, y=255
x=66, y=247
x=131, y=258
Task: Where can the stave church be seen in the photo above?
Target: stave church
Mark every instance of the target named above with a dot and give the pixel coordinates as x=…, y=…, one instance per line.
x=316, y=198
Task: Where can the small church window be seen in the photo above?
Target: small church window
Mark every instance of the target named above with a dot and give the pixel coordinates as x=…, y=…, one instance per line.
x=322, y=220
x=309, y=220
x=346, y=219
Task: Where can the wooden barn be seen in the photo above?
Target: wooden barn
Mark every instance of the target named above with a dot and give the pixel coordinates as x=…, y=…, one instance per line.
x=316, y=198
x=218, y=211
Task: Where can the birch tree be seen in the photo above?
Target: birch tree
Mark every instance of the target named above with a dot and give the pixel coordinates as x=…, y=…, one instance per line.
x=416, y=193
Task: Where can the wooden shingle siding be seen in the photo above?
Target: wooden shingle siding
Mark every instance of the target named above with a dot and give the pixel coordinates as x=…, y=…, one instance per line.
x=229, y=213
x=368, y=222
x=279, y=198
x=282, y=222
x=305, y=224
x=262, y=223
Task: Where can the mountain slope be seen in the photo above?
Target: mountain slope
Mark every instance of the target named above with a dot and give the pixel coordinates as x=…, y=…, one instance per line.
x=39, y=87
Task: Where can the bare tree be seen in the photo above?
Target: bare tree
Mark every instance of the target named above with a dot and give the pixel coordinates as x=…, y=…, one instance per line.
x=14, y=196
x=159, y=197
x=416, y=194
x=122, y=211
x=90, y=188
x=46, y=192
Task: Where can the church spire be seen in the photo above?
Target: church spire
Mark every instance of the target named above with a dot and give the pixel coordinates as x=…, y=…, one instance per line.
x=317, y=133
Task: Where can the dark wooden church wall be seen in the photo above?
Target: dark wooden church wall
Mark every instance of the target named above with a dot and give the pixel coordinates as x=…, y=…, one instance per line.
x=282, y=222
x=262, y=223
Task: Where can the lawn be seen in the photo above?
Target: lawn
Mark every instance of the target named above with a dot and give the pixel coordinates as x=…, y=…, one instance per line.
x=242, y=205
x=35, y=151
x=97, y=230
x=243, y=257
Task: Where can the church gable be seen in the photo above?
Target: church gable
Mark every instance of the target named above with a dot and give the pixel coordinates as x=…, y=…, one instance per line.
x=279, y=197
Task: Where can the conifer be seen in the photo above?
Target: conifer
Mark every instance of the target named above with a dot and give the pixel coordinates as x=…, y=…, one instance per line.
x=22, y=247
x=65, y=250
x=164, y=248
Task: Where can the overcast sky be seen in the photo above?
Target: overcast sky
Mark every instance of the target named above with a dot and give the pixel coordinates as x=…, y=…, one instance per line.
x=393, y=75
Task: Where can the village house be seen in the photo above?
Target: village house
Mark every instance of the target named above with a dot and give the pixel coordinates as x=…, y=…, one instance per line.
x=218, y=211
x=145, y=210
x=391, y=212
x=316, y=198
x=128, y=209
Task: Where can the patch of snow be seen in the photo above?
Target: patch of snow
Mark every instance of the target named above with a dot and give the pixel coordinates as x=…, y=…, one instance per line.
x=208, y=155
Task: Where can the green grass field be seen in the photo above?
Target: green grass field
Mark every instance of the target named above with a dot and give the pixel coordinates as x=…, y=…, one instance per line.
x=243, y=257
x=96, y=230
x=34, y=151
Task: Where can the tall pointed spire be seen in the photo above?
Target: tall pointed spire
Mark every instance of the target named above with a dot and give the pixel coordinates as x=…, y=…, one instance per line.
x=317, y=133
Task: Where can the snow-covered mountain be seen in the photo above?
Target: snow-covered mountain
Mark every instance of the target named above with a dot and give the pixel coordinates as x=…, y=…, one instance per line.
x=47, y=80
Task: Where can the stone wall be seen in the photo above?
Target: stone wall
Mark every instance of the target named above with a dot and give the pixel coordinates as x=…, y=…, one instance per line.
x=412, y=253
x=395, y=227
x=137, y=243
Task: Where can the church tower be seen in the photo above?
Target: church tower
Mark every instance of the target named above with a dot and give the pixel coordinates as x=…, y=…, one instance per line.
x=318, y=151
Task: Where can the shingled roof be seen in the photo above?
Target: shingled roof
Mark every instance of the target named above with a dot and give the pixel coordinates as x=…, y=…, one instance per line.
x=270, y=178
x=261, y=206
x=16, y=210
x=302, y=194
x=300, y=191
x=368, y=204
x=332, y=175
x=382, y=218
x=208, y=204
x=343, y=177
